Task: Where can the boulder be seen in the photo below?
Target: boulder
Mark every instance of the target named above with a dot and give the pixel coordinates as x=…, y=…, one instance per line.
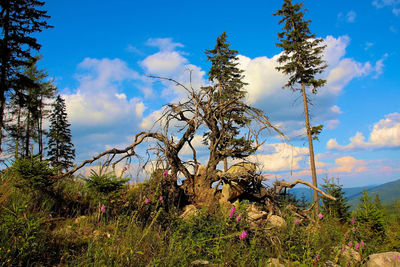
x=277, y=221
x=189, y=211
x=350, y=255
x=198, y=263
x=242, y=169
x=383, y=259
x=274, y=262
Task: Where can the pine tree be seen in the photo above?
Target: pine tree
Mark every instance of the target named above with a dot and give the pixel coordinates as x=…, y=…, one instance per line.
x=226, y=93
x=336, y=208
x=19, y=19
x=302, y=61
x=61, y=151
x=369, y=215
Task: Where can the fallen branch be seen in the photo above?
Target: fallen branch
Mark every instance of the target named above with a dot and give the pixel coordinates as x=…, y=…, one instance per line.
x=281, y=184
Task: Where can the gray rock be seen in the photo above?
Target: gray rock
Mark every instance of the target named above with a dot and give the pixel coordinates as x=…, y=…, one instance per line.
x=277, y=221
x=383, y=259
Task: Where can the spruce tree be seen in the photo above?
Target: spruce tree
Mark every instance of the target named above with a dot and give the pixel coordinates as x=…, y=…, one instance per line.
x=19, y=20
x=336, y=208
x=302, y=61
x=61, y=151
x=226, y=93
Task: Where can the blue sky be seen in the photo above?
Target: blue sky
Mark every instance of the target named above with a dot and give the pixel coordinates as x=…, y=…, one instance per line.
x=99, y=51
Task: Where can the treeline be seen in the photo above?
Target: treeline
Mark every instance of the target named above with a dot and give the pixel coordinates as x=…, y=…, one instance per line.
x=28, y=97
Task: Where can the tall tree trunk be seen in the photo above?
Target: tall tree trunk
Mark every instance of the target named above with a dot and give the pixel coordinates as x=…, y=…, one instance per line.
x=40, y=129
x=27, y=136
x=18, y=137
x=3, y=75
x=310, y=146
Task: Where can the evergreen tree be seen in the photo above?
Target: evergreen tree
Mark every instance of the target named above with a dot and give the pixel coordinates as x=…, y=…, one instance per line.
x=61, y=151
x=226, y=93
x=339, y=208
x=302, y=61
x=377, y=202
x=19, y=19
x=369, y=215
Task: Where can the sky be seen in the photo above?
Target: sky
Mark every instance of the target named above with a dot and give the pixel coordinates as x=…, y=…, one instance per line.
x=100, y=51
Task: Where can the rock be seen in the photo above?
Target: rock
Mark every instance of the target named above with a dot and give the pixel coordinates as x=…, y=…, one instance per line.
x=79, y=219
x=274, y=262
x=242, y=169
x=350, y=255
x=383, y=259
x=189, y=211
x=199, y=263
x=331, y=264
x=230, y=192
x=277, y=221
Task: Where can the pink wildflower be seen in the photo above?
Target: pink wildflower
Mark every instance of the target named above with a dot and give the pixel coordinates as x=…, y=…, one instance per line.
x=232, y=211
x=125, y=169
x=362, y=243
x=320, y=216
x=165, y=173
x=357, y=246
x=238, y=218
x=353, y=221
x=398, y=258
x=103, y=208
x=354, y=230
x=350, y=244
x=147, y=201
x=243, y=235
x=297, y=221
x=161, y=198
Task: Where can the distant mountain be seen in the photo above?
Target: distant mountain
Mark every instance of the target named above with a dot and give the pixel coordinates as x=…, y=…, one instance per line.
x=388, y=193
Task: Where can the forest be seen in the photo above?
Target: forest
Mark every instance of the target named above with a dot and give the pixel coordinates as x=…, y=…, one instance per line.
x=224, y=211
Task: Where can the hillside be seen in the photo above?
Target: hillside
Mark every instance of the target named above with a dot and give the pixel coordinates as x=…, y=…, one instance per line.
x=388, y=192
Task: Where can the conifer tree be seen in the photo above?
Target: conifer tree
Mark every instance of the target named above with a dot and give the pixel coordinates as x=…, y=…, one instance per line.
x=369, y=215
x=226, y=92
x=61, y=151
x=19, y=19
x=302, y=61
x=336, y=208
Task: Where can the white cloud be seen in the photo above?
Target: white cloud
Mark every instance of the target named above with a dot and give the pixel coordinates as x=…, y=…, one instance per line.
x=348, y=17
x=385, y=134
x=348, y=164
x=279, y=157
x=163, y=63
x=336, y=109
x=164, y=44
x=383, y=3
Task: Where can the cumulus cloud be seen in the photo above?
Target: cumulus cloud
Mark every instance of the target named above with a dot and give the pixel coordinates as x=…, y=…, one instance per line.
x=280, y=157
x=385, y=134
x=348, y=164
x=164, y=44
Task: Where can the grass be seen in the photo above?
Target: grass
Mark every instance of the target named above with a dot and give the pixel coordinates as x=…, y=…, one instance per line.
x=37, y=230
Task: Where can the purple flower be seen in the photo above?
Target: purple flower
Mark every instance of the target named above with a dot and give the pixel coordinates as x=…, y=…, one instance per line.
x=243, y=235
x=232, y=211
x=362, y=243
x=398, y=258
x=165, y=173
x=103, y=208
x=238, y=218
x=357, y=246
x=320, y=216
x=125, y=169
x=161, y=198
x=350, y=244
x=297, y=221
x=353, y=221
x=354, y=230
x=147, y=201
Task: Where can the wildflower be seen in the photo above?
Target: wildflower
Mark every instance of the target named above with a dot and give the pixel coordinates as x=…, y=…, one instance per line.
x=165, y=173
x=243, y=235
x=354, y=230
x=353, y=221
x=362, y=243
x=297, y=221
x=357, y=246
x=147, y=201
x=238, y=218
x=232, y=211
x=320, y=216
x=103, y=208
x=125, y=169
x=161, y=198
x=316, y=259
x=350, y=244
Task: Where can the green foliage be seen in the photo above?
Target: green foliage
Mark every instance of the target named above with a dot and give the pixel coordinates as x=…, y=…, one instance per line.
x=302, y=51
x=34, y=174
x=61, y=150
x=315, y=131
x=105, y=186
x=337, y=209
